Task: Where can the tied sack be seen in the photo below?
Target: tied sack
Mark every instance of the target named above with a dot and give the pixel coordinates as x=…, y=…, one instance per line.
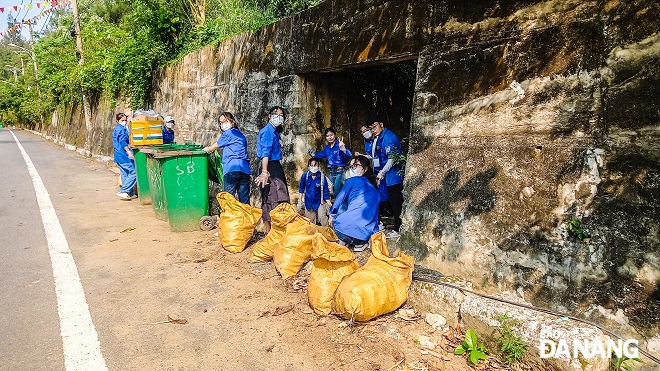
x=332, y=262
x=295, y=248
x=280, y=216
x=236, y=223
x=379, y=287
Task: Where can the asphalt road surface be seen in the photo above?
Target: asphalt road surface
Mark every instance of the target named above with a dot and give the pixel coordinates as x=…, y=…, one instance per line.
x=45, y=325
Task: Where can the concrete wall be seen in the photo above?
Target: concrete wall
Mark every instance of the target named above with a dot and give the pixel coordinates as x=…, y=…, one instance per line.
x=493, y=180
x=493, y=177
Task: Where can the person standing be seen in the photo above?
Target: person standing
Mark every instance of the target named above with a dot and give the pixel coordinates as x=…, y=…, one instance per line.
x=235, y=163
x=338, y=155
x=123, y=156
x=271, y=178
x=314, y=194
x=386, y=142
x=168, y=130
x=384, y=204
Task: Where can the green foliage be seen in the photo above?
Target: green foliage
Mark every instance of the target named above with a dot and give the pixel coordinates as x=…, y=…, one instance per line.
x=575, y=228
x=512, y=346
x=399, y=159
x=474, y=351
x=622, y=363
x=124, y=42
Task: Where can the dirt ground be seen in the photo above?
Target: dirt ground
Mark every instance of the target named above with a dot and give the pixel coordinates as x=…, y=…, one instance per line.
x=238, y=315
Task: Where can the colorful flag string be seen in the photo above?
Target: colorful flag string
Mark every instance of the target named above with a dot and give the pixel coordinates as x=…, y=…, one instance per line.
x=50, y=5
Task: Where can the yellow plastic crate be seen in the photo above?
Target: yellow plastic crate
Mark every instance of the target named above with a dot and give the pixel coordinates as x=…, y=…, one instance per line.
x=146, y=132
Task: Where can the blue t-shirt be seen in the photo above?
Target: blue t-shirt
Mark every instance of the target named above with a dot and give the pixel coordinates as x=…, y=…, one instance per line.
x=360, y=220
x=368, y=145
x=234, y=152
x=386, y=143
x=335, y=156
x=268, y=144
x=311, y=187
x=120, y=140
x=168, y=135
x=382, y=187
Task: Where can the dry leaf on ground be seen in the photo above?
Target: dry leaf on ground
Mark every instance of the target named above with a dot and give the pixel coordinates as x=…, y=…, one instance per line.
x=281, y=310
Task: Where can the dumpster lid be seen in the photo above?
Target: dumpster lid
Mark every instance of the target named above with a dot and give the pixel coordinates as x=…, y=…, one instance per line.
x=163, y=154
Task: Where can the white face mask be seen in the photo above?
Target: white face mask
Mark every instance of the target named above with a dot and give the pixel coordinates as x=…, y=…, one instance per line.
x=313, y=169
x=276, y=120
x=225, y=126
x=367, y=134
x=122, y=123
x=355, y=172
x=169, y=125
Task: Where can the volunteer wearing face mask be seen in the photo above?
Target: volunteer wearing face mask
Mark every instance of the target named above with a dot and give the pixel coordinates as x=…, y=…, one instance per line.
x=124, y=158
x=384, y=204
x=314, y=194
x=168, y=130
x=235, y=163
x=337, y=155
x=386, y=142
x=355, y=226
x=271, y=178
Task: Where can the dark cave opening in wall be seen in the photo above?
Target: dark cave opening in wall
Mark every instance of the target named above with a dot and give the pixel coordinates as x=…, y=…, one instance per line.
x=346, y=98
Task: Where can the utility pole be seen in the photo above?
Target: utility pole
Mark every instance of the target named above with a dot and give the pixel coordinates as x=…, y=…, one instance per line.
x=81, y=60
x=76, y=27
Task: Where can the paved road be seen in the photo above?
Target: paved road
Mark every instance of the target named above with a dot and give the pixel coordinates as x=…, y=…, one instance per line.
x=35, y=335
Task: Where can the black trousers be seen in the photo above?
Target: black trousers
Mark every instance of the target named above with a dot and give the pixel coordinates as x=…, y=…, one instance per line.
x=396, y=201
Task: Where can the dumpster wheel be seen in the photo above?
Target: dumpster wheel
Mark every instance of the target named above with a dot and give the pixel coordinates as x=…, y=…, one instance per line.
x=207, y=223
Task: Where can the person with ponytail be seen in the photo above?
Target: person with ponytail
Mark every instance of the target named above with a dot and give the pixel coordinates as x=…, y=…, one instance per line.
x=355, y=226
x=235, y=163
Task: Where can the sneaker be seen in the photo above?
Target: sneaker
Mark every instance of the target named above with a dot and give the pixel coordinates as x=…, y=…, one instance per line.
x=360, y=248
x=393, y=234
x=124, y=196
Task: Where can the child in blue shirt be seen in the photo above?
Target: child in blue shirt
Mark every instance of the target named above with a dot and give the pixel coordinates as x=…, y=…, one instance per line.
x=314, y=194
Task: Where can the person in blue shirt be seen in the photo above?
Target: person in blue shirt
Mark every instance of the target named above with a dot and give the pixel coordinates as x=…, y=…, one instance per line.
x=123, y=156
x=384, y=143
x=235, y=163
x=384, y=204
x=314, y=194
x=338, y=155
x=355, y=226
x=168, y=129
x=271, y=179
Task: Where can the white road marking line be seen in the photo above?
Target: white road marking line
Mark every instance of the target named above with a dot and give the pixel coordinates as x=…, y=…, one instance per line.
x=82, y=349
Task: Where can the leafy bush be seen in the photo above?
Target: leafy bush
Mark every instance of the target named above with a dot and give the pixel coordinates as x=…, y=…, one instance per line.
x=474, y=351
x=124, y=42
x=512, y=346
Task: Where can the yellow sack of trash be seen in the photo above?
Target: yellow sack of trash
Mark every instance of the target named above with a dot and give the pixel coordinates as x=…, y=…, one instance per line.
x=295, y=248
x=332, y=262
x=236, y=223
x=379, y=287
x=280, y=216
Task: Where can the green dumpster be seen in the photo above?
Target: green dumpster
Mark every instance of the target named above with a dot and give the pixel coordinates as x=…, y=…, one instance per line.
x=152, y=188
x=185, y=185
x=144, y=194
x=156, y=186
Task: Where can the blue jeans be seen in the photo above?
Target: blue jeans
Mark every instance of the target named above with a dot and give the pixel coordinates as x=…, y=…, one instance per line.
x=128, y=178
x=238, y=180
x=337, y=179
x=349, y=240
